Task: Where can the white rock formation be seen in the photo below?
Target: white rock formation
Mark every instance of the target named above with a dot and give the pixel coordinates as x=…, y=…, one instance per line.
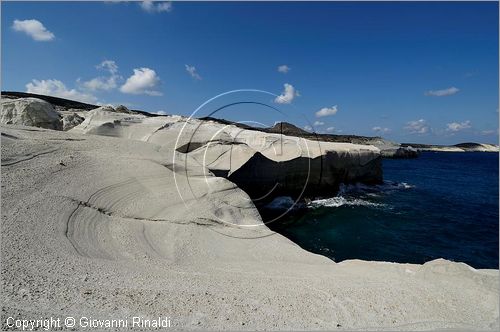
x=29, y=112
x=463, y=147
x=260, y=163
x=126, y=225
x=403, y=152
x=71, y=120
x=478, y=147
x=94, y=226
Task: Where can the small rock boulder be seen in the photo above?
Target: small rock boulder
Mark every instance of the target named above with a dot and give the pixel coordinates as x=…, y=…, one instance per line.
x=71, y=120
x=404, y=152
x=107, y=108
x=30, y=112
x=407, y=152
x=122, y=109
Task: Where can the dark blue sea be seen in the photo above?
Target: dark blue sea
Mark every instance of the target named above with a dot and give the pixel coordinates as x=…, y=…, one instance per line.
x=440, y=205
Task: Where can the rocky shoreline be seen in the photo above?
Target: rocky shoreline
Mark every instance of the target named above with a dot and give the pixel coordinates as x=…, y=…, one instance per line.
x=124, y=212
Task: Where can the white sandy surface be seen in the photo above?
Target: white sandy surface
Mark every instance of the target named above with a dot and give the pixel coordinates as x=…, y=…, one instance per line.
x=94, y=226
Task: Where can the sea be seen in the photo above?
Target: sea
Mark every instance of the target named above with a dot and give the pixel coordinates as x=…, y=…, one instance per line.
x=439, y=205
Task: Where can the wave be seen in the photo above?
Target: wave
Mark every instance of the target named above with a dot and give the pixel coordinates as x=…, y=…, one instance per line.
x=339, y=201
x=348, y=195
x=360, y=195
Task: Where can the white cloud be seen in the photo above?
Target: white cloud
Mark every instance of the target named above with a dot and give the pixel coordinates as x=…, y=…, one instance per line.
x=34, y=29
x=104, y=83
x=143, y=81
x=287, y=95
x=487, y=132
x=381, y=130
x=326, y=111
x=443, y=92
x=156, y=6
x=192, y=71
x=318, y=123
x=284, y=69
x=417, y=127
x=330, y=129
x=100, y=83
x=108, y=65
x=308, y=128
x=58, y=89
x=455, y=126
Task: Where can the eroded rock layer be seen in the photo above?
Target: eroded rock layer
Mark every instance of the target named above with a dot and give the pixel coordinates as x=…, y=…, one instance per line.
x=263, y=164
x=109, y=220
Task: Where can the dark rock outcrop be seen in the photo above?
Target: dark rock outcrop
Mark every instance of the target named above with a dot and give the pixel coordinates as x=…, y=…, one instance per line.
x=304, y=177
x=55, y=101
x=71, y=120
x=406, y=152
x=123, y=109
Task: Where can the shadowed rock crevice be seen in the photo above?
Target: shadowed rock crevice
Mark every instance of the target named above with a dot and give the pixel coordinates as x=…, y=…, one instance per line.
x=302, y=176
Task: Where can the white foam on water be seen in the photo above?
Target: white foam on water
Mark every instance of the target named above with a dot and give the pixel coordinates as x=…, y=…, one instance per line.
x=339, y=201
x=406, y=185
x=355, y=194
x=348, y=195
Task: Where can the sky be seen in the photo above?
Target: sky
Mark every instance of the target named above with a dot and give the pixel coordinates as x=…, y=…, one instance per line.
x=409, y=72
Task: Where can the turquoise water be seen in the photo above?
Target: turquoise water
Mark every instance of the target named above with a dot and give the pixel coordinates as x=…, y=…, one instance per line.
x=440, y=205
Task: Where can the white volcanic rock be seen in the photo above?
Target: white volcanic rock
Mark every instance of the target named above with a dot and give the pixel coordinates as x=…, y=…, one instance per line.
x=389, y=149
x=71, y=120
x=403, y=152
x=115, y=232
x=489, y=148
x=139, y=223
x=256, y=161
x=30, y=112
x=105, y=121
x=442, y=149
x=122, y=109
x=478, y=147
x=462, y=147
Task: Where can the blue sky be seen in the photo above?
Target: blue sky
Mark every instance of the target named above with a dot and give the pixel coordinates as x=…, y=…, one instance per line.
x=410, y=72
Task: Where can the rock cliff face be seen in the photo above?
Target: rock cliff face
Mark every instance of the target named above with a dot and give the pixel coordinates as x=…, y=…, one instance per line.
x=404, y=152
x=30, y=112
x=71, y=120
x=264, y=165
x=388, y=149
x=264, y=178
